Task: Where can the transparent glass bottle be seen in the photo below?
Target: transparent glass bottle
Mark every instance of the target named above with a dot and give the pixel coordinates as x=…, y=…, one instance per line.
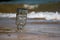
x=21, y=17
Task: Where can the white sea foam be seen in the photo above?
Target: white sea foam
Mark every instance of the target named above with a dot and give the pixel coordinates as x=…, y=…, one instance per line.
x=46, y=15
x=9, y=15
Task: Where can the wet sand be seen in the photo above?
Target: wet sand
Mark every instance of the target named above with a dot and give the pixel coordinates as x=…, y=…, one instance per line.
x=27, y=36
x=30, y=31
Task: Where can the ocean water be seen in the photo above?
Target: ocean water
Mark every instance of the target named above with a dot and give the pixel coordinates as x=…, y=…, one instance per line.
x=47, y=15
x=8, y=20
x=31, y=1
x=31, y=28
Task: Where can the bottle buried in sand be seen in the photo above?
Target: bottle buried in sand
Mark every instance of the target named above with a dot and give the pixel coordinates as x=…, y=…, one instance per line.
x=21, y=18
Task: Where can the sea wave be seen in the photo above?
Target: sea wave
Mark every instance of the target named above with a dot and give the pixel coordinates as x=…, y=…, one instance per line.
x=46, y=15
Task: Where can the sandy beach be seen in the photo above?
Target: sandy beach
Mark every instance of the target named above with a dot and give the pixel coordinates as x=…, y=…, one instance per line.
x=31, y=31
